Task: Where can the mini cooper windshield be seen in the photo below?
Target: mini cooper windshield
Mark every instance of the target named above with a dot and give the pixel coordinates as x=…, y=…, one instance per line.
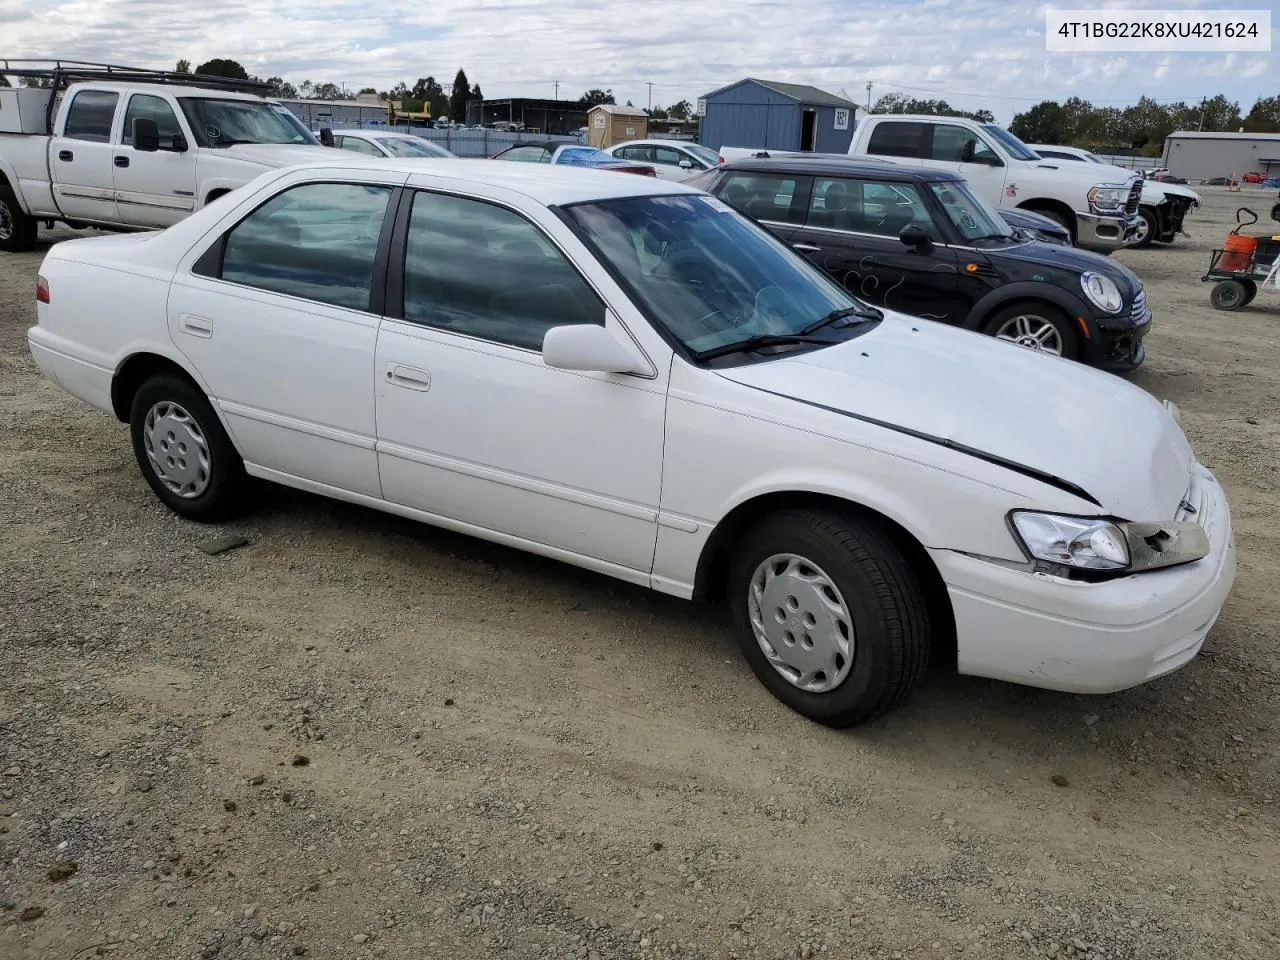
x=970, y=215
x=718, y=283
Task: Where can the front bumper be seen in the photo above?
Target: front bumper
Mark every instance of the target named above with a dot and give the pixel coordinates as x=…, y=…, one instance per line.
x=1105, y=234
x=1081, y=637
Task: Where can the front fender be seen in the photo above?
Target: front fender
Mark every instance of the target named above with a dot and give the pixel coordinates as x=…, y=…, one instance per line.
x=1064, y=300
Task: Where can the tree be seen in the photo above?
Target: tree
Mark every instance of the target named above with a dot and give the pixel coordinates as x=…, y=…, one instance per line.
x=680, y=110
x=984, y=116
x=475, y=92
x=326, y=91
x=222, y=67
x=184, y=66
x=1264, y=116
x=595, y=97
x=305, y=89
x=901, y=103
x=657, y=113
x=366, y=90
x=281, y=89
x=1043, y=123
x=459, y=96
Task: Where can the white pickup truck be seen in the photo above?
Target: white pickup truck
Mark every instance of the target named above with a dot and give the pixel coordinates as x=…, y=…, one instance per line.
x=123, y=154
x=1099, y=210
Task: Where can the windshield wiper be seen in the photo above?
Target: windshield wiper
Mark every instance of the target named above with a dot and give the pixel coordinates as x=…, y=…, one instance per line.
x=758, y=341
x=862, y=313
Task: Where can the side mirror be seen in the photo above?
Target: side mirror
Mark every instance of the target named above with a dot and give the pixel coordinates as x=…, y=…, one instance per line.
x=146, y=135
x=967, y=151
x=686, y=164
x=914, y=235
x=180, y=144
x=326, y=137
x=588, y=346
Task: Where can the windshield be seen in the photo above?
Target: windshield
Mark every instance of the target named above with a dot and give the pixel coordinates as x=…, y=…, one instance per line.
x=972, y=216
x=413, y=148
x=584, y=155
x=707, y=156
x=704, y=272
x=220, y=123
x=1012, y=145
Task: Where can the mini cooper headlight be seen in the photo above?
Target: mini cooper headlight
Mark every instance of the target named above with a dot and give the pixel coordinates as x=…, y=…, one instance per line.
x=1100, y=547
x=1101, y=291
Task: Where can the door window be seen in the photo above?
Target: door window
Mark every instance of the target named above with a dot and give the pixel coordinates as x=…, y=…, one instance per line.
x=949, y=141
x=527, y=155
x=643, y=154
x=863, y=206
x=667, y=156
x=90, y=116
x=899, y=138
x=146, y=107
x=763, y=196
x=356, y=145
x=481, y=270
x=317, y=241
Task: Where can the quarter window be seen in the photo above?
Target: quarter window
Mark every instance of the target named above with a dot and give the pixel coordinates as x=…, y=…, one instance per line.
x=317, y=241
x=763, y=196
x=899, y=138
x=90, y=116
x=478, y=269
x=145, y=107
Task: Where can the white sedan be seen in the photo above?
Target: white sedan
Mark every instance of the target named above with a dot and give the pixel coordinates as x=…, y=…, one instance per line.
x=388, y=143
x=671, y=159
x=627, y=375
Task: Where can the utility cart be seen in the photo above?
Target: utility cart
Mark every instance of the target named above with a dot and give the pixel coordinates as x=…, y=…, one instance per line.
x=1244, y=265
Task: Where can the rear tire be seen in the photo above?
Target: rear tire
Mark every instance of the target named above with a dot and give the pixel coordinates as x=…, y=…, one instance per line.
x=186, y=457
x=1229, y=295
x=17, y=230
x=830, y=615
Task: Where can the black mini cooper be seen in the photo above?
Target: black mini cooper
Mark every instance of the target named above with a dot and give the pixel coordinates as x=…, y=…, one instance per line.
x=920, y=242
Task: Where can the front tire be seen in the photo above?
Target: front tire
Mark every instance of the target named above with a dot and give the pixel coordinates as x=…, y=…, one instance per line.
x=1036, y=326
x=1148, y=228
x=17, y=230
x=186, y=457
x=830, y=616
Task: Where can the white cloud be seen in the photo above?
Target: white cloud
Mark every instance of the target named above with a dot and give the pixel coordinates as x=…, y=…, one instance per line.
x=973, y=53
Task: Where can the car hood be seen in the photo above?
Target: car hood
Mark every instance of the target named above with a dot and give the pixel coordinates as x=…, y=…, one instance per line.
x=1090, y=173
x=1152, y=190
x=1042, y=413
x=1071, y=258
x=277, y=154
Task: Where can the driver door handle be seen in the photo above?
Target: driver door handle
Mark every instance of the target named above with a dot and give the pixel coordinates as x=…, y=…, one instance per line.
x=806, y=248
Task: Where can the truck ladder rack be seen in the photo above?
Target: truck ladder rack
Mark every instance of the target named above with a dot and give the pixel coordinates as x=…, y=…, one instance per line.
x=61, y=72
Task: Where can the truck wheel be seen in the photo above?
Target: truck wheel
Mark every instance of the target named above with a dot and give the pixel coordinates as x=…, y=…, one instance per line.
x=830, y=615
x=1058, y=218
x=1036, y=326
x=17, y=230
x=1148, y=228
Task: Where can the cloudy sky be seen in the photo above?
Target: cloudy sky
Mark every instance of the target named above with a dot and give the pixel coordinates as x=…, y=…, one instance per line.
x=973, y=53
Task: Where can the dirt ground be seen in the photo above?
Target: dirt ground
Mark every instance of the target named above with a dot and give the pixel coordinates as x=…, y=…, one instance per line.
x=358, y=737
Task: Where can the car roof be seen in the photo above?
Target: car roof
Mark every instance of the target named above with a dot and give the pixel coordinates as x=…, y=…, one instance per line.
x=838, y=165
x=177, y=90
x=548, y=184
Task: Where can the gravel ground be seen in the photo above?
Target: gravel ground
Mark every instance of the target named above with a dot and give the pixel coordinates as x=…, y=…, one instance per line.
x=358, y=737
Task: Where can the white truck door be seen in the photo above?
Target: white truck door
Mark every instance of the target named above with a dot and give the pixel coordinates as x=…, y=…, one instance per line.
x=982, y=165
x=154, y=188
x=83, y=182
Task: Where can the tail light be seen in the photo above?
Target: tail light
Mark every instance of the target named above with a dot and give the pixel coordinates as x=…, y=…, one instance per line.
x=719, y=160
x=42, y=290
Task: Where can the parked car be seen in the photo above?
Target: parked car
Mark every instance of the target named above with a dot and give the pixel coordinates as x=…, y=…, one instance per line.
x=920, y=241
x=629, y=376
x=134, y=149
x=1163, y=206
x=571, y=155
x=386, y=143
x=671, y=159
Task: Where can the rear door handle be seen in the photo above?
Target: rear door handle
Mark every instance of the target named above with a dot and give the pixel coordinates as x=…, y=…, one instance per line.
x=410, y=377
x=122, y=161
x=806, y=248
x=196, y=326
x=66, y=155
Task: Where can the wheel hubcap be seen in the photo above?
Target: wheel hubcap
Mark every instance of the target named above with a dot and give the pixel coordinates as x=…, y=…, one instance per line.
x=177, y=449
x=801, y=622
x=6, y=222
x=1143, y=229
x=1031, y=331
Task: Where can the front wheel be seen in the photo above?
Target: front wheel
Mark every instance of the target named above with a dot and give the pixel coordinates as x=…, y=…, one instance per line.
x=17, y=229
x=1148, y=228
x=830, y=616
x=186, y=457
x=1229, y=295
x=1036, y=326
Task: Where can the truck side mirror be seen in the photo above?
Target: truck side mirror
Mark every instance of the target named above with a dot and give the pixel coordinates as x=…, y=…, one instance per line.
x=146, y=135
x=967, y=151
x=326, y=137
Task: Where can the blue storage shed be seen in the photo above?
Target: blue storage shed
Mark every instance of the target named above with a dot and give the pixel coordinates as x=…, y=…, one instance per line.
x=777, y=116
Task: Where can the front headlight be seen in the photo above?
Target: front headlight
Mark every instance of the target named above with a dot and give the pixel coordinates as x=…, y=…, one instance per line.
x=1108, y=198
x=1097, y=548
x=1101, y=291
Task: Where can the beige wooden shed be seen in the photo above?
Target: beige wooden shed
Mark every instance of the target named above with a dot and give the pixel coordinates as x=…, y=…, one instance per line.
x=608, y=124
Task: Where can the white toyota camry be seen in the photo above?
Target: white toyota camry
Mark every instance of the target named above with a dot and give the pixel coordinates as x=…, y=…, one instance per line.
x=625, y=374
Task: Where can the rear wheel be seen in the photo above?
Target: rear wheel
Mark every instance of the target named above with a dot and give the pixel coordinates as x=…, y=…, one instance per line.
x=186, y=457
x=830, y=615
x=1250, y=291
x=17, y=229
x=1037, y=326
x=1229, y=295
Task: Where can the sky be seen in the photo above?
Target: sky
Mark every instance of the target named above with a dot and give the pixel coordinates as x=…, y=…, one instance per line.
x=972, y=53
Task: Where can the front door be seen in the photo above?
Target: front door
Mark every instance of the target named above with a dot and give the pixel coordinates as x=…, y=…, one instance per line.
x=475, y=428
x=154, y=189
x=278, y=320
x=852, y=231
x=81, y=159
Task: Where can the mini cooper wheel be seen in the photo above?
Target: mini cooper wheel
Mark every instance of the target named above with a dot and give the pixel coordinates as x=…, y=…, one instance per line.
x=830, y=616
x=1229, y=295
x=1036, y=326
x=185, y=455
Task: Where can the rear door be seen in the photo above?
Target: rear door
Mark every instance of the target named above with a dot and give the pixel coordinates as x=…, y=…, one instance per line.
x=154, y=189
x=82, y=151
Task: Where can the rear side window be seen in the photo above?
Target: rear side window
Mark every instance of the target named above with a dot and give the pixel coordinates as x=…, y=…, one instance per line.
x=762, y=196
x=317, y=241
x=899, y=138
x=90, y=115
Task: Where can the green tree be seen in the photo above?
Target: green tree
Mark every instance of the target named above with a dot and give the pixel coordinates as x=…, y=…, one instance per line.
x=1043, y=123
x=222, y=67
x=281, y=89
x=459, y=96
x=595, y=97
x=1264, y=116
x=680, y=110
x=475, y=92
x=367, y=90
x=184, y=66
x=327, y=91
